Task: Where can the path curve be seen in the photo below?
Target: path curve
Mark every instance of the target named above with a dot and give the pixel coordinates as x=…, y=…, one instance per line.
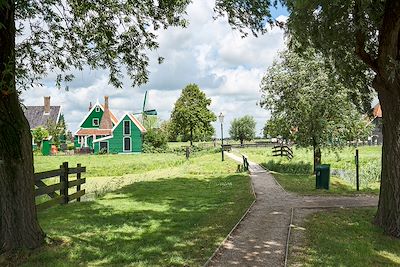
x=260, y=239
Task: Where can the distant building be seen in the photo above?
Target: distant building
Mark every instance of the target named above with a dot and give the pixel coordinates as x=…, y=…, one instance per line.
x=376, y=120
x=42, y=115
x=101, y=131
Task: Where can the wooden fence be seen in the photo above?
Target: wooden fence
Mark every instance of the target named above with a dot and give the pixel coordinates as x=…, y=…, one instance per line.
x=62, y=197
x=256, y=144
x=283, y=151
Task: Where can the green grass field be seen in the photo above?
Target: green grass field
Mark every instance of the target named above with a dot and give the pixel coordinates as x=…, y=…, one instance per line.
x=111, y=165
x=295, y=175
x=345, y=237
x=175, y=216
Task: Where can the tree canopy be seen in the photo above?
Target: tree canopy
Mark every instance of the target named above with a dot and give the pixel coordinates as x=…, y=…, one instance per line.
x=361, y=38
x=243, y=128
x=309, y=104
x=58, y=36
x=191, y=113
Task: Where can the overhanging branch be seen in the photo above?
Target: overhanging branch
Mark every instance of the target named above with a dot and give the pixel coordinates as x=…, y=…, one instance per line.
x=360, y=40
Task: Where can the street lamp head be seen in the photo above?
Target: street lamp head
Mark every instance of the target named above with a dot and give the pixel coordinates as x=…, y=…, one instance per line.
x=221, y=117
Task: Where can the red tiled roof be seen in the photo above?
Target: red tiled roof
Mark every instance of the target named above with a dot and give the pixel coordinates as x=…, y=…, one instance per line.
x=113, y=118
x=94, y=131
x=377, y=111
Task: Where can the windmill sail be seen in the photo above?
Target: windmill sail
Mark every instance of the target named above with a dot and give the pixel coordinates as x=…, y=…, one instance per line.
x=146, y=109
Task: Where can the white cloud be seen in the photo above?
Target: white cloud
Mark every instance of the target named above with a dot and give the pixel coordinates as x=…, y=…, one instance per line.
x=208, y=52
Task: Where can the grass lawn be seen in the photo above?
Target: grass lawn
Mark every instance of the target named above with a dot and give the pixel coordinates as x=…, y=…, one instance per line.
x=304, y=184
x=110, y=165
x=110, y=172
x=345, y=238
x=176, y=218
x=295, y=175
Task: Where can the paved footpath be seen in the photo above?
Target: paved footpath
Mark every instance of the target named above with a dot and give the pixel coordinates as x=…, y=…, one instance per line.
x=260, y=239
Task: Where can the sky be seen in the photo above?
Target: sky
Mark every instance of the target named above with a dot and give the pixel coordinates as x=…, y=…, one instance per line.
x=208, y=52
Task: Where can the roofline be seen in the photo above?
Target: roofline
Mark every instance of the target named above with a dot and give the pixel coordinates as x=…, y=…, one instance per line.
x=103, y=138
x=87, y=115
x=59, y=115
x=90, y=111
x=137, y=123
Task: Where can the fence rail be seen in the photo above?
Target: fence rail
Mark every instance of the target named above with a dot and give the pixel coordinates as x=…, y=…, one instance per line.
x=257, y=144
x=283, y=151
x=58, y=192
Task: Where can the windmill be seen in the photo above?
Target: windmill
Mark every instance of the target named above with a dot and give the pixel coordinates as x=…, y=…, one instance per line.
x=145, y=110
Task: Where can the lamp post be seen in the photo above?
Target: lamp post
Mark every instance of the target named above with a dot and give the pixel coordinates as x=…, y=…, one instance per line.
x=221, y=120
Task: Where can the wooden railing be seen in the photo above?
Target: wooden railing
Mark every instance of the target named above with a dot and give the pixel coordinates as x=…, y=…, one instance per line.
x=62, y=187
x=245, y=162
x=283, y=151
x=257, y=144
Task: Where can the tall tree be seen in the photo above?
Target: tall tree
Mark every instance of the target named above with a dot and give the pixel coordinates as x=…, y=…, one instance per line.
x=309, y=104
x=59, y=36
x=243, y=128
x=191, y=114
x=363, y=39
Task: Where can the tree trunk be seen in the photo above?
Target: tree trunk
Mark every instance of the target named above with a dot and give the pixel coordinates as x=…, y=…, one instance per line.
x=388, y=214
x=19, y=227
x=317, y=155
x=241, y=142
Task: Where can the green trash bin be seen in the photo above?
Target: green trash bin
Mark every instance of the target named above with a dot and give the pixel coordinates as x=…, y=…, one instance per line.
x=46, y=146
x=322, y=175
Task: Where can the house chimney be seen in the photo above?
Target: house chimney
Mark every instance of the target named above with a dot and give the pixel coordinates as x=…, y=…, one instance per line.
x=106, y=102
x=90, y=105
x=47, y=104
x=106, y=122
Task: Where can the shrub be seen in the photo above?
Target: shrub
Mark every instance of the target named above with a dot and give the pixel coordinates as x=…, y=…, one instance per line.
x=288, y=167
x=155, y=140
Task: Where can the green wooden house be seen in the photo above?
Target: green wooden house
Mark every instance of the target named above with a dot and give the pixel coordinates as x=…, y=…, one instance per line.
x=100, y=131
x=126, y=137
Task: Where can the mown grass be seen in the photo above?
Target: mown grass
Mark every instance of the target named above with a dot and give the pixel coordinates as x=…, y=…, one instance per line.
x=345, y=237
x=304, y=184
x=110, y=165
x=176, y=218
x=340, y=160
x=295, y=175
x=105, y=173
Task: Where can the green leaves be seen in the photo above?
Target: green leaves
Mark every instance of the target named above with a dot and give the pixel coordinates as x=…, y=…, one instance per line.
x=309, y=104
x=243, y=128
x=55, y=36
x=60, y=36
x=191, y=114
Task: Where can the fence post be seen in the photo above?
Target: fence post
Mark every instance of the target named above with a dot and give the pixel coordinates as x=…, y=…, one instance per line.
x=78, y=177
x=357, y=171
x=64, y=178
x=187, y=152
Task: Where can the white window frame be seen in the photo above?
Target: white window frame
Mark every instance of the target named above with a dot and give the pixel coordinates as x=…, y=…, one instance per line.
x=98, y=122
x=123, y=126
x=97, y=109
x=108, y=145
x=123, y=143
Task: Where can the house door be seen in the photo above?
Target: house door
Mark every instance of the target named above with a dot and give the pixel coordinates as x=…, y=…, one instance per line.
x=104, y=146
x=127, y=144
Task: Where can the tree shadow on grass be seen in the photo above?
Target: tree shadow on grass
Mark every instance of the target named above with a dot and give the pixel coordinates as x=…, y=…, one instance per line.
x=348, y=238
x=166, y=222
